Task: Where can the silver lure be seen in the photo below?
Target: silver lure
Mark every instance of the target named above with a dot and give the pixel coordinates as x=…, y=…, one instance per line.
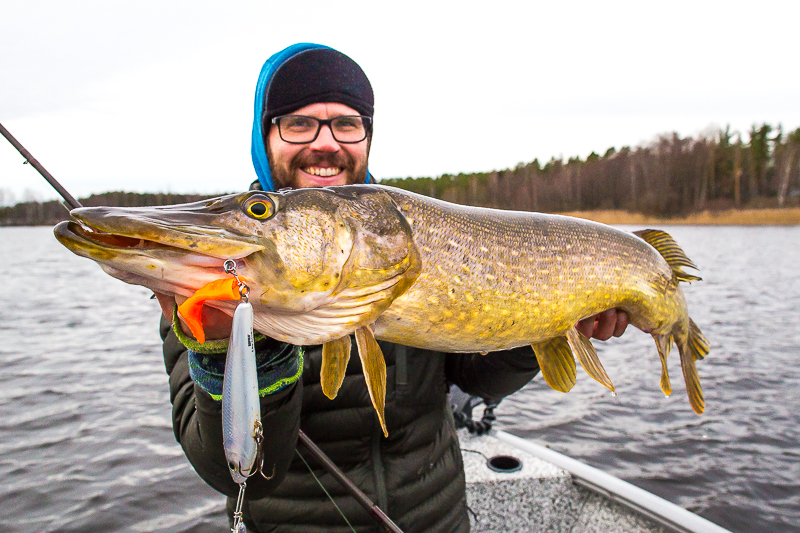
x=241, y=412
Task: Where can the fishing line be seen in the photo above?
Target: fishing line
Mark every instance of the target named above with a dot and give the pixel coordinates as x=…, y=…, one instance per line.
x=475, y=451
x=325, y=491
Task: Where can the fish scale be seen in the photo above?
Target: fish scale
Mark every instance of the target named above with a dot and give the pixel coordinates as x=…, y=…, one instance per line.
x=509, y=279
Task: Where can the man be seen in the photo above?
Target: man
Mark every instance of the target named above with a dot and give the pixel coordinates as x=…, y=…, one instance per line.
x=313, y=128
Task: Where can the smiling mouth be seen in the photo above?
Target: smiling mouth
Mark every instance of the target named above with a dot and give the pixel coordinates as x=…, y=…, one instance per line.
x=323, y=172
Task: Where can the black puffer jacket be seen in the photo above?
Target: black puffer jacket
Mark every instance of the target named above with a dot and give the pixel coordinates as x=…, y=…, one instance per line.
x=415, y=474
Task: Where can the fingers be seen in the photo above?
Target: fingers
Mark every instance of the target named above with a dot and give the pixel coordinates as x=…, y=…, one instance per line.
x=216, y=323
x=167, y=303
x=586, y=327
x=622, y=323
x=603, y=326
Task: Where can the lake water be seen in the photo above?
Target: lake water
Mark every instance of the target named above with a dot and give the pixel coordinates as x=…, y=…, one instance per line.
x=86, y=442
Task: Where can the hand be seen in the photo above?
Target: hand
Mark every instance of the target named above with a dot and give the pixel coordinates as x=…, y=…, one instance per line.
x=611, y=322
x=216, y=323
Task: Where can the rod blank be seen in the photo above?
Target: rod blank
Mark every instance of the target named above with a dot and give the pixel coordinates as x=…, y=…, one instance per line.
x=71, y=202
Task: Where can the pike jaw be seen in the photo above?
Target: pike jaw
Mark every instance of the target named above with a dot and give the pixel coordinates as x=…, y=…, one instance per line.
x=319, y=262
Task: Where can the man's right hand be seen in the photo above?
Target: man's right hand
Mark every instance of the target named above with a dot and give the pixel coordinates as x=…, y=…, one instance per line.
x=216, y=323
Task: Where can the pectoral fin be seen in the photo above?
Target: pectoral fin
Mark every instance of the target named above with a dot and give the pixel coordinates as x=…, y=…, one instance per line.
x=664, y=345
x=588, y=357
x=557, y=363
x=335, y=355
x=374, y=371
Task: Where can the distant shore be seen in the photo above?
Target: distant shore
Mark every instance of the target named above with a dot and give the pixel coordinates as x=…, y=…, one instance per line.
x=787, y=216
x=51, y=212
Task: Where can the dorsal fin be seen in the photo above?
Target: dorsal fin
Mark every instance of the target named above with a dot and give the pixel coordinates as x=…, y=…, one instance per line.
x=670, y=251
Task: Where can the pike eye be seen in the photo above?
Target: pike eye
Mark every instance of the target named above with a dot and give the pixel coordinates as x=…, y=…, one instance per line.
x=259, y=207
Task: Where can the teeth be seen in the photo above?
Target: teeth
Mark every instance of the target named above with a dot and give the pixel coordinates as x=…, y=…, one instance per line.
x=322, y=172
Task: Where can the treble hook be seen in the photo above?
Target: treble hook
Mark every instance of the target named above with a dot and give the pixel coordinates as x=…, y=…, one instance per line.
x=260, y=454
x=258, y=466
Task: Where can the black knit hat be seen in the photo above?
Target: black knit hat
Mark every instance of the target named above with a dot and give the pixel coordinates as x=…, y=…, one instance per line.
x=317, y=75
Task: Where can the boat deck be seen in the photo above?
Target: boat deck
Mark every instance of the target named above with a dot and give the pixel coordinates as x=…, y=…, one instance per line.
x=540, y=497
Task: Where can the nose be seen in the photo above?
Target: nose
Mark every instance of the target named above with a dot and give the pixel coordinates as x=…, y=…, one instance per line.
x=325, y=141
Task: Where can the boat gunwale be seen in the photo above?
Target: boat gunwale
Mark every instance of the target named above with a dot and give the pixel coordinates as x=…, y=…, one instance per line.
x=666, y=513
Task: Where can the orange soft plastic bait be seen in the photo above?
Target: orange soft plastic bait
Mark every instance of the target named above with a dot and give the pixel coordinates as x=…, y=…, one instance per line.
x=191, y=309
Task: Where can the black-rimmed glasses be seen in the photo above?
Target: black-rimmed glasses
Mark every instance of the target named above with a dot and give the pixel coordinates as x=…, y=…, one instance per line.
x=299, y=129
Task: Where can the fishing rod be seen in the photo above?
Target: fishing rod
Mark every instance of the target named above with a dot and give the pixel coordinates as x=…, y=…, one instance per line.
x=70, y=201
x=375, y=512
x=340, y=476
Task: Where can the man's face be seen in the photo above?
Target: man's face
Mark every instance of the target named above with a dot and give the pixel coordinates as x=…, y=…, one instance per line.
x=320, y=163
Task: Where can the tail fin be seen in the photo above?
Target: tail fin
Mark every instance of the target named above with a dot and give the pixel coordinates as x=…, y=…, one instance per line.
x=670, y=251
x=693, y=347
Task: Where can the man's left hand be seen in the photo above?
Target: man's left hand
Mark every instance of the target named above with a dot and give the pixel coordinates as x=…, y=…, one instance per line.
x=611, y=322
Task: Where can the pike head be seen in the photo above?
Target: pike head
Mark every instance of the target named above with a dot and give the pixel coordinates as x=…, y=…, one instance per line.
x=320, y=263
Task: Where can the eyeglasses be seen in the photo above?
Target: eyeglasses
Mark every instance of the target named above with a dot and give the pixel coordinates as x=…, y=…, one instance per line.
x=299, y=129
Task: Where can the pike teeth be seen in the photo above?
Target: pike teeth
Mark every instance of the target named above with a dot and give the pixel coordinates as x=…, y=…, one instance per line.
x=324, y=172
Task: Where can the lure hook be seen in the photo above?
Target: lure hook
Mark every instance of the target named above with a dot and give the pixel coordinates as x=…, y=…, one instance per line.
x=230, y=268
x=260, y=453
x=258, y=467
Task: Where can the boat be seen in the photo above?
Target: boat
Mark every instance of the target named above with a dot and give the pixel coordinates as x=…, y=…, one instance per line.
x=517, y=485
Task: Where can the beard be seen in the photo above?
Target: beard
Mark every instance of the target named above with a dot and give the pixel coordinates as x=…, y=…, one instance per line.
x=284, y=174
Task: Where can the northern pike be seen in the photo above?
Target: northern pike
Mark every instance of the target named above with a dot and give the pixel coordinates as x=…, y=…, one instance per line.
x=384, y=263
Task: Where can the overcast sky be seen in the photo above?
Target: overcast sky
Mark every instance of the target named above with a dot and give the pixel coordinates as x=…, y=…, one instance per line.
x=158, y=96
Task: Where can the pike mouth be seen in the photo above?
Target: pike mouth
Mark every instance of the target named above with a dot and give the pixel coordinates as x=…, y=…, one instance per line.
x=111, y=240
x=188, y=229
x=81, y=236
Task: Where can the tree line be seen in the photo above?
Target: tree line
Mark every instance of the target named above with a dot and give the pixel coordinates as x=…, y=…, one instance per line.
x=53, y=212
x=669, y=176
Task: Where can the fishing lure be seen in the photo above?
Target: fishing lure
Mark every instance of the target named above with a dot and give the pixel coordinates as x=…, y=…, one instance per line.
x=219, y=289
x=241, y=414
x=242, y=432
